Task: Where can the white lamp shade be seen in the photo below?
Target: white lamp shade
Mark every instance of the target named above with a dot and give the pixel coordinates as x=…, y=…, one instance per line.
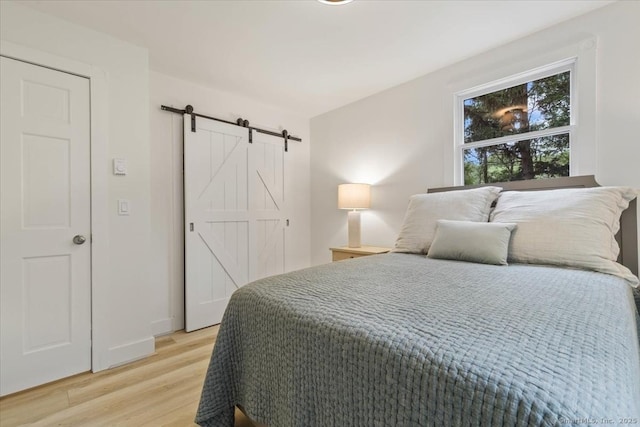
x=354, y=196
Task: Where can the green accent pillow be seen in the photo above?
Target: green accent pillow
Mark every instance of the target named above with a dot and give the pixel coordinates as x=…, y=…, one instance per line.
x=482, y=242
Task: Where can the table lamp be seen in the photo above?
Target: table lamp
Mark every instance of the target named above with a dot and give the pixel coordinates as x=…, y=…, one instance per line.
x=354, y=197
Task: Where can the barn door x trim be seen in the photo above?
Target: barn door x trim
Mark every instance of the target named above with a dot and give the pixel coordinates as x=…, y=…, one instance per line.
x=234, y=212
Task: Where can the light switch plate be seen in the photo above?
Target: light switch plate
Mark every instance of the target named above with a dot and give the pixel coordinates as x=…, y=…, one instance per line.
x=119, y=166
x=123, y=207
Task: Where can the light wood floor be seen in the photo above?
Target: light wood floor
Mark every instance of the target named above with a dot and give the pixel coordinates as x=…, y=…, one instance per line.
x=161, y=390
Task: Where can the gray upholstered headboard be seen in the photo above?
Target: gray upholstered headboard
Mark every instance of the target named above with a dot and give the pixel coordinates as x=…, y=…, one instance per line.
x=627, y=237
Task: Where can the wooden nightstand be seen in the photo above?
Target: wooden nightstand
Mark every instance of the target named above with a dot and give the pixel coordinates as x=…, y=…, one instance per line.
x=345, y=252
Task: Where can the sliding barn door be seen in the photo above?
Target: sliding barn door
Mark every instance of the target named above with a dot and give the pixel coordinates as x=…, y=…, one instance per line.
x=268, y=203
x=216, y=195
x=234, y=215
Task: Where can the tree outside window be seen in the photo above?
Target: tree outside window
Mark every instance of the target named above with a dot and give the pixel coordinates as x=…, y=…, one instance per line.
x=521, y=132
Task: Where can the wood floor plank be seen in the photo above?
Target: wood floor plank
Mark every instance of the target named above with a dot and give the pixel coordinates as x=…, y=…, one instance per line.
x=182, y=416
x=111, y=384
x=161, y=390
x=168, y=407
x=15, y=414
x=106, y=409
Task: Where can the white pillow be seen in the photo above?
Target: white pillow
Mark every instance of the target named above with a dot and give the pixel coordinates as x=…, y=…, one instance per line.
x=424, y=210
x=572, y=227
x=482, y=242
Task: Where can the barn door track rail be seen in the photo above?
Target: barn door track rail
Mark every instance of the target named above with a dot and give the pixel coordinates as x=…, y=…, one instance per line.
x=240, y=122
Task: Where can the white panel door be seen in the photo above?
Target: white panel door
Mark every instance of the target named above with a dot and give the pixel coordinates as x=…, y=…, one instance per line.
x=217, y=236
x=267, y=196
x=45, y=200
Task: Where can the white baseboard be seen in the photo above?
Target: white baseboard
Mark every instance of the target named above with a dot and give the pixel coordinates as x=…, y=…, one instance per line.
x=161, y=327
x=130, y=352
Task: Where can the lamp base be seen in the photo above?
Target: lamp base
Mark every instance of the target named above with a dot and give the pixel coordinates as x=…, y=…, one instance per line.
x=354, y=229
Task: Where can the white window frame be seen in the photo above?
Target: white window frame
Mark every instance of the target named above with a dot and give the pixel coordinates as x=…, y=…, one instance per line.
x=511, y=70
x=514, y=80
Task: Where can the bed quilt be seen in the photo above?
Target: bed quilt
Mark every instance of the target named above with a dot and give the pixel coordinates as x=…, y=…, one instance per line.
x=403, y=340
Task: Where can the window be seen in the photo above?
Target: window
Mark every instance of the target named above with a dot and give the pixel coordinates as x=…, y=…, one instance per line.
x=519, y=128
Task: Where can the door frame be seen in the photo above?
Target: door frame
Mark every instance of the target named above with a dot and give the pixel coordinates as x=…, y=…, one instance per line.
x=99, y=131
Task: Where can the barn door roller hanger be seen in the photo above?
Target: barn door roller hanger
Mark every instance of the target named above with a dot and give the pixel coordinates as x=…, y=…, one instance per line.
x=240, y=122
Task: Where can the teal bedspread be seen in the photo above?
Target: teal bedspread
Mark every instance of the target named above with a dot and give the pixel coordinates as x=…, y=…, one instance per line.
x=402, y=340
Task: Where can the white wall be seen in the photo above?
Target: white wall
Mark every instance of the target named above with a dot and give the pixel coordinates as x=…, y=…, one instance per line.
x=167, y=297
x=127, y=286
x=401, y=140
x=145, y=283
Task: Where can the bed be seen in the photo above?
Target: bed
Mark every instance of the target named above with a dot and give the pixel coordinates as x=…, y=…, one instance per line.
x=404, y=339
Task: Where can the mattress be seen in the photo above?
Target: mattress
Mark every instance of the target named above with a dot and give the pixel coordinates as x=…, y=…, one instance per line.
x=403, y=340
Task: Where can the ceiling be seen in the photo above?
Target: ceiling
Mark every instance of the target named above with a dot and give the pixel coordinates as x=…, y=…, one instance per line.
x=309, y=57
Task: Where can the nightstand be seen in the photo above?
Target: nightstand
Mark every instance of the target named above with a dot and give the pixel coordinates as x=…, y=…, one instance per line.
x=345, y=252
